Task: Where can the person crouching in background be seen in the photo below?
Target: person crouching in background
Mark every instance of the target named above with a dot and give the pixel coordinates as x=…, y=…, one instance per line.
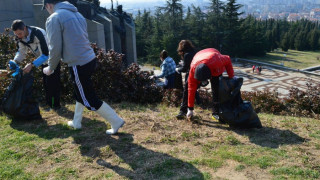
x=168, y=67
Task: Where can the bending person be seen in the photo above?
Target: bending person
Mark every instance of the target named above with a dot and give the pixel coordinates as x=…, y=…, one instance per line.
x=34, y=39
x=207, y=64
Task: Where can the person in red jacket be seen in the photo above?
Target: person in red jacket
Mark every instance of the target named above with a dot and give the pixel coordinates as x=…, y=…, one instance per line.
x=207, y=64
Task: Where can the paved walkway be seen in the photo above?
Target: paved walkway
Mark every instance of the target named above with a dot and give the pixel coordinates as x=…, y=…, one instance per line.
x=270, y=79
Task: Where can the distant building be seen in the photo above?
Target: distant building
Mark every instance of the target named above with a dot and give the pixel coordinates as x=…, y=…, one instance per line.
x=283, y=15
x=273, y=16
x=293, y=17
x=315, y=13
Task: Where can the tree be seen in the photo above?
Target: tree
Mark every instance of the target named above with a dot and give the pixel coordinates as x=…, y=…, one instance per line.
x=253, y=41
x=173, y=12
x=300, y=43
x=231, y=28
x=285, y=42
x=314, y=40
x=195, y=24
x=144, y=30
x=154, y=44
x=275, y=37
x=214, y=29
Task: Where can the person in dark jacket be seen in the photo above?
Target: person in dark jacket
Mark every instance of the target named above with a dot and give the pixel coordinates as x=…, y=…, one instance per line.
x=34, y=39
x=186, y=50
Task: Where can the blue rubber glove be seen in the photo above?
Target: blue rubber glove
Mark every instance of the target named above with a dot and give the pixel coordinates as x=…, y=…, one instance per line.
x=15, y=67
x=40, y=60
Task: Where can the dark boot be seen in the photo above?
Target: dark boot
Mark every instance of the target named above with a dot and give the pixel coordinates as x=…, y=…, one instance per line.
x=181, y=115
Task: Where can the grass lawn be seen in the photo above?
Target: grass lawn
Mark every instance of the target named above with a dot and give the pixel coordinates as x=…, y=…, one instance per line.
x=293, y=59
x=155, y=145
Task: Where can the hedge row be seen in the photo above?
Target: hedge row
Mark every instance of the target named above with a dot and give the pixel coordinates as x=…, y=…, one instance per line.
x=116, y=83
x=112, y=81
x=297, y=103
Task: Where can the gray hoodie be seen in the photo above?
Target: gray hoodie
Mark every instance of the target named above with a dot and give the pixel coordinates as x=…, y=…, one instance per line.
x=68, y=37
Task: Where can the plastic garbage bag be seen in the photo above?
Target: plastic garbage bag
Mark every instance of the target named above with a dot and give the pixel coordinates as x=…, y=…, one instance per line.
x=233, y=110
x=18, y=101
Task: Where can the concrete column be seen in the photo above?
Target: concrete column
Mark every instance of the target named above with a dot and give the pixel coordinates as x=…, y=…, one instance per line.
x=40, y=16
x=95, y=29
x=96, y=33
x=131, y=44
x=11, y=10
x=116, y=35
x=108, y=30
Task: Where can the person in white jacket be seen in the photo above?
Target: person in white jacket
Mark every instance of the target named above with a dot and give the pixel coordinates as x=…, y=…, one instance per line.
x=33, y=39
x=68, y=40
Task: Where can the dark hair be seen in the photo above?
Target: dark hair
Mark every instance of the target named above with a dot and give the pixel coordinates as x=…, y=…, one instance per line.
x=185, y=46
x=164, y=54
x=56, y=1
x=51, y=1
x=17, y=24
x=202, y=72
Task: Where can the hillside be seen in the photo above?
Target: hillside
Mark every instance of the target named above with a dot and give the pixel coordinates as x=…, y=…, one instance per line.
x=155, y=145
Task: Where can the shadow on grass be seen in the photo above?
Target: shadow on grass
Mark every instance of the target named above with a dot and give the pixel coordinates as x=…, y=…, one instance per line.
x=271, y=137
x=115, y=152
x=265, y=137
x=145, y=163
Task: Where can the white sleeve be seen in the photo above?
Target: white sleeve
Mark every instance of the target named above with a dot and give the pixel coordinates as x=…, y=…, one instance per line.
x=21, y=54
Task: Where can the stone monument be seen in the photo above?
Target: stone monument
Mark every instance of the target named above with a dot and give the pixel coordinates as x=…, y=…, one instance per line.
x=110, y=29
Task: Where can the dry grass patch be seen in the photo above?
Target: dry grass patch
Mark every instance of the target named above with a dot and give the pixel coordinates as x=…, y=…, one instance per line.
x=153, y=144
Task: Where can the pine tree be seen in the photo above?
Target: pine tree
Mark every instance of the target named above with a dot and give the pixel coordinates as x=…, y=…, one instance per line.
x=214, y=28
x=154, y=43
x=314, y=40
x=300, y=43
x=285, y=43
x=269, y=41
x=253, y=41
x=173, y=12
x=232, y=28
x=195, y=24
x=144, y=30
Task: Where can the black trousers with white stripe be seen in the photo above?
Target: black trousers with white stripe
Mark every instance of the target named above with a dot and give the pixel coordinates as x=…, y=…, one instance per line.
x=52, y=87
x=83, y=86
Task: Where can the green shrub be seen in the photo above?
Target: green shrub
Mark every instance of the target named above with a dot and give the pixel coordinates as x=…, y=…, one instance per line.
x=172, y=97
x=265, y=101
x=7, y=48
x=112, y=81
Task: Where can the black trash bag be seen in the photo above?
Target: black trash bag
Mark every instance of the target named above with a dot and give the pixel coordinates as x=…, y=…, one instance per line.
x=233, y=110
x=18, y=101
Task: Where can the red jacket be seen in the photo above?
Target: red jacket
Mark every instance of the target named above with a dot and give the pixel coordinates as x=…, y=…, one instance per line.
x=217, y=63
